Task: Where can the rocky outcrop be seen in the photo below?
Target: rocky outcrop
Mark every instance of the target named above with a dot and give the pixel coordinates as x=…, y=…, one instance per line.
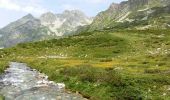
x=65, y=23
x=130, y=13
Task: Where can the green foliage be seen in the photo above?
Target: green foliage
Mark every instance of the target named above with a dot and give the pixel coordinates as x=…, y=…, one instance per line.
x=3, y=65
x=2, y=97
x=118, y=86
x=152, y=71
x=102, y=65
x=106, y=60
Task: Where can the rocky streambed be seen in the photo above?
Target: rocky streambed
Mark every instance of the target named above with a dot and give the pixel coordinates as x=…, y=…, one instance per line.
x=20, y=82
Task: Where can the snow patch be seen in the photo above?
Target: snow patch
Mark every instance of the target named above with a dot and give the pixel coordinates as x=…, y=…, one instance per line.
x=144, y=27
x=143, y=9
x=145, y=18
x=130, y=20
x=150, y=11
x=123, y=17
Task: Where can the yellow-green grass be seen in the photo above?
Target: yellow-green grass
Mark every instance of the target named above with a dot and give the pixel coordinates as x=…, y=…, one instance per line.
x=103, y=65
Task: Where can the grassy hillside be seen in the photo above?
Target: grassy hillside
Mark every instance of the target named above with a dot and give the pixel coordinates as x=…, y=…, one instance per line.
x=103, y=65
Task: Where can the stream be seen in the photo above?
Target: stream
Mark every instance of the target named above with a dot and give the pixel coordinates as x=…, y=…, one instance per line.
x=20, y=82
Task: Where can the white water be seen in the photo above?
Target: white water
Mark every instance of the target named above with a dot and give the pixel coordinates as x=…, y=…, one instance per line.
x=19, y=82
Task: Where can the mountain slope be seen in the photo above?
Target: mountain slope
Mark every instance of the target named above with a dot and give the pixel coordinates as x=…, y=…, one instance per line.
x=48, y=26
x=138, y=14
x=23, y=30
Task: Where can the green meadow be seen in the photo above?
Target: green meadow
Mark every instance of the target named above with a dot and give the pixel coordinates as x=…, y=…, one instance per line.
x=102, y=65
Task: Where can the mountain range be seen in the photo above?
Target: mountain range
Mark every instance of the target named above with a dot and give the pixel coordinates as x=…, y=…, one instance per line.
x=131, y=14
x=48, y=26
x=124, y=54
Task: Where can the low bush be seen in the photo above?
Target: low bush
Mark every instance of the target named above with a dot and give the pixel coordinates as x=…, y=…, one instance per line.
x=106, y=60
x=86, y=73
x=152, y=71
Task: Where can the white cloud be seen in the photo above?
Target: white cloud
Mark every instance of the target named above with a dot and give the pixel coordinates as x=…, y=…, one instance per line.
x=8, y=5
x=22, y=6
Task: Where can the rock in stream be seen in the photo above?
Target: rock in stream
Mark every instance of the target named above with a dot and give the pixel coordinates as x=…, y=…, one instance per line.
x=20, y=82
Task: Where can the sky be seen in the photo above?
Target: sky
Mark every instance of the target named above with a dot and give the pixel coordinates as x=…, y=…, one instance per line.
x=11, y=10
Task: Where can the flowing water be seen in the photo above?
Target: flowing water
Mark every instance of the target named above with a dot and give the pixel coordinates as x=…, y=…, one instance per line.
x=19, y=82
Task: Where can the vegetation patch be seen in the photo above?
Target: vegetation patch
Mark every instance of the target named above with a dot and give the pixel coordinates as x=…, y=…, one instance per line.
x=102, y=65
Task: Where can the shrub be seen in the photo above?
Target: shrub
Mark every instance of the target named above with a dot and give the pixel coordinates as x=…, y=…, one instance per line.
x=86, y=73
x=106, y=60
x=152, y=71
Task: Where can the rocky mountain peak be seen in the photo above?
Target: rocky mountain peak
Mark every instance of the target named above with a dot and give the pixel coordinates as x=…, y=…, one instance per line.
x=65, y=22
x=49, y=25
x=135, y=4
x=48, y=17
x=28, y=17
x=48, y=14
x=73, y=13
x=129, y=11
x=114, y=6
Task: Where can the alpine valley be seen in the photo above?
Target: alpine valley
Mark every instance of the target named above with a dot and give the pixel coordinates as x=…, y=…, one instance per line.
x=123, y=53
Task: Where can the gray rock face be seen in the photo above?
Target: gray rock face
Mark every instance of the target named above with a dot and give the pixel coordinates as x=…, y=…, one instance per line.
x=131, y=11
x=113, y=13
x=48, y=26
x=23, y=21
x=20, y=31
x=64, y=23
x=48, y=17
x=136, y=4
